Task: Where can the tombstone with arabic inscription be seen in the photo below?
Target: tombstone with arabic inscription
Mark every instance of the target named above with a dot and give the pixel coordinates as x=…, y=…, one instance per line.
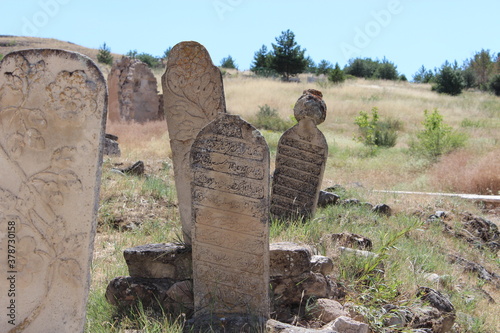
x=230, y=192
x=300, y=161
x=52, y=117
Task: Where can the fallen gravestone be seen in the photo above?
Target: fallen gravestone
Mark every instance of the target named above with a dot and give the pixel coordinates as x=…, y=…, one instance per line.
x=52, y=117
x=193, y=96
x=230, y=195
x=133, y=92
x=300, y=161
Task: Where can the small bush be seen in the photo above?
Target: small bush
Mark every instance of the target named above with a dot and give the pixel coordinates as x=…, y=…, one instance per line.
x=336, y=75
x=494, y=85
x=1, y=57
x=269, y=119
x=228, y=62
x=104, y=55
x=449, y=81
x=377, y=133
x=436, y=138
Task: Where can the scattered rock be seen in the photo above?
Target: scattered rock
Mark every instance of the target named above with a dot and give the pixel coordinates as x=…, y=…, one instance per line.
x=482, y=272
x=382, y=209
x=321, y=264
x=484, y=229
x=327, y=199
x=137, y=169
x=437, y=300
x=327, y=310
x=351, y=240
x=348, y=325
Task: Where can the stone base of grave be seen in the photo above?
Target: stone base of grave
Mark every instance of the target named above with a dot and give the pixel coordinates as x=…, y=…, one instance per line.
x=233, y=323
x=161, y=279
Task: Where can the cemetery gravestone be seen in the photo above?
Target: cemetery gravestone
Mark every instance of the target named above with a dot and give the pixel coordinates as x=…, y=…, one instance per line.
x=133, y=92
x=52, y=117
x=193, y=96
x=300, y=161
x=230, y=192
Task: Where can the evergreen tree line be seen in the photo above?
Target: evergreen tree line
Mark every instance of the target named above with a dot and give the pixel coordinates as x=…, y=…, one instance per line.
x=286, y=58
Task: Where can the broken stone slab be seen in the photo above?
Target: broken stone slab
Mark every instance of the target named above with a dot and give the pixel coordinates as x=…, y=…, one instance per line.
x=133, y=92
x=437, y=300
x=289, y=259
x=52, y=120
x=163, y=260
x=481, y=271
x=136, y=169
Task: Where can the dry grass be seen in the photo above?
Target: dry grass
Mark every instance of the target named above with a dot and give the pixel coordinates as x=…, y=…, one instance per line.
x=463, y=172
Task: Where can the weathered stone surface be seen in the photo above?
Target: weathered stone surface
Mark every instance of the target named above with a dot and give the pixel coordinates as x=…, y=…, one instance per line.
x=440, y=302
x=327, y=310
x=347, y=325
x=481, y=271
x=348, y=239
x=230, y=195
x=300, y=161
x=136, y=169
x=274, y=326
x=193, y=95
x=327, y=199
x=133, y=92
x=52, y=117
x=289, y=259
x=321, y=264
x=164, y=260
x=111, y=147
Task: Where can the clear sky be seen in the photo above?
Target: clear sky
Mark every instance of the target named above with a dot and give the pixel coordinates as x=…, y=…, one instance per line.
x=410, y=33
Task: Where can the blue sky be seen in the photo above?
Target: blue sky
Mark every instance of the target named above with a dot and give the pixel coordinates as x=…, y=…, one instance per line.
x=410, y=33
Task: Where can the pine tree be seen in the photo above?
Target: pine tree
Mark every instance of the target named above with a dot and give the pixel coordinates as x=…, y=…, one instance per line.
x=287, y=58
x=104, y=55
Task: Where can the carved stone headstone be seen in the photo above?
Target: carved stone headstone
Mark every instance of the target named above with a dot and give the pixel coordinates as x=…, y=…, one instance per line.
x=133, y=92
x=300, y=161
x=230, y=189
x=193, y=96
x=52, y=117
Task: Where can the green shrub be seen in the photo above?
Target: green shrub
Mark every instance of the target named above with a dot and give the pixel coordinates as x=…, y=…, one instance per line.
x=269, y=119
x=449, y=80
x=1, y=57
x=436, y=138
x=104, y=55
x=494, y=84
x=336, y=75
x=377, y=133
x=228, y=62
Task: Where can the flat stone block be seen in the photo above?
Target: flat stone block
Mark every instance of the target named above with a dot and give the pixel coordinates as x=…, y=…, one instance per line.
x=289, y=259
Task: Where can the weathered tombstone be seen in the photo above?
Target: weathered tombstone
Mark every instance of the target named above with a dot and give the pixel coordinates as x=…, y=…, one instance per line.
x=193, y=96
x=230, y=191
x=300, y=161
x=133, y=92
x=52, y=117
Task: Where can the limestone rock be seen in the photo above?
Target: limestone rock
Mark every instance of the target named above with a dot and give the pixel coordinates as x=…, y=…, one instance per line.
x=133, y=92
x=441, y=303
x=274, y=326
x=328, y=310
x=327, y=199
x=289, y=259
x=164, y=260
x=347, y=325
x=321, y=264
x=136, y=169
